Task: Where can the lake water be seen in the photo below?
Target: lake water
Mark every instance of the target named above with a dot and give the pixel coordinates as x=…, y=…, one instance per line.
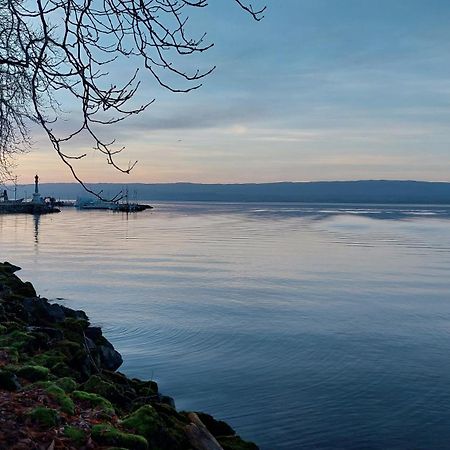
x=305, y=327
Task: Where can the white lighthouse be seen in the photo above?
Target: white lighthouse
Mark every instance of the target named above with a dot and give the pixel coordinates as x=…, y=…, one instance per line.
x=36, y=196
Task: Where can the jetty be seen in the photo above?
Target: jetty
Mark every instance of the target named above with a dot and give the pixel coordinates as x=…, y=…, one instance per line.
x=89, y=203
x=37, y=205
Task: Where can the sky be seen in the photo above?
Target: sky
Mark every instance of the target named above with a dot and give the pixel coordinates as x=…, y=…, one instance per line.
x=318, y=90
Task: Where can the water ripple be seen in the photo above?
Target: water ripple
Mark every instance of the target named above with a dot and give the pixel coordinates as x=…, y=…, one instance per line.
x=312, y=327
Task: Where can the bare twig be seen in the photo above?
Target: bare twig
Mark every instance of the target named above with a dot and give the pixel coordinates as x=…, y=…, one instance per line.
x=48, y=47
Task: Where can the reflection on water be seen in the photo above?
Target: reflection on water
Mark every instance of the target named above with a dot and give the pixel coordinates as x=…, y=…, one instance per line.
x=304, y=326
x=36, y=218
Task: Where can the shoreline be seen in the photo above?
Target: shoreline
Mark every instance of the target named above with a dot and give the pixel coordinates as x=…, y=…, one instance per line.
x=60, y=388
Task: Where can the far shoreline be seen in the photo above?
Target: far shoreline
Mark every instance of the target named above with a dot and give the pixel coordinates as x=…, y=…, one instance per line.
x=374, y=192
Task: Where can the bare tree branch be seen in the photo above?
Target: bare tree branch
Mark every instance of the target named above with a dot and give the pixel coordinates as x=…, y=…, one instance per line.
x=49, y=47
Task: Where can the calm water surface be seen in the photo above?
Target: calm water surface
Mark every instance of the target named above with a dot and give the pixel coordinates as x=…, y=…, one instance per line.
x=305, y=327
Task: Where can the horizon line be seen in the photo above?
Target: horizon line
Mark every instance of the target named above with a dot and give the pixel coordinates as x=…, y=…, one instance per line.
x=239, y=183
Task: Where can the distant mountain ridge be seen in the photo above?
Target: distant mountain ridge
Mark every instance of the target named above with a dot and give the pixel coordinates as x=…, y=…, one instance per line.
x=364, y=191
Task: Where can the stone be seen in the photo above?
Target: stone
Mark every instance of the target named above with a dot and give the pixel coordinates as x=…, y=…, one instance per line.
x=39, y=309
x=93, y=333
x=9, y=381
x=75, y=314
x=90, y=344
x=110, y=358
x=53, y=333
x=9, y=268
x=164, y=399
x=216, y=427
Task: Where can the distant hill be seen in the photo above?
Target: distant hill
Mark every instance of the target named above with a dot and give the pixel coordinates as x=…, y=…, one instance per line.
x=371, y=191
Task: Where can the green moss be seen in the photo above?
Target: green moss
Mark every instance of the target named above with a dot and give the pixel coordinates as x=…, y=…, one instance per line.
x=49, y=358
x=107, y=435
x=144, y=421
x=76, y=435
x=56, y=393
x=45, y=417
x=63, y=370
x=99, y=386
x=61, y=398
x=94, y=400
x=67, y=384
x=33, y=373
x=18, y=340
x=3, y=329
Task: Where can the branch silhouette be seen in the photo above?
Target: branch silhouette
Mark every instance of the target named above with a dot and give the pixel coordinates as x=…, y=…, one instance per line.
x=50, y=48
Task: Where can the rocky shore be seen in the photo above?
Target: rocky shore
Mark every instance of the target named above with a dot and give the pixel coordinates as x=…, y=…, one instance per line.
x=60, y=388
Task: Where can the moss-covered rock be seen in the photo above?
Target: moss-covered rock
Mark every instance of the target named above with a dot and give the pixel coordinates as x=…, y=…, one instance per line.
x=98, y=385
x=118, y=394
x=44, y=417
x=33, y=373
x=58, y=394
x=60, y=364
x=63, y=370
x=162, y=426
x=19, y=340
x=172, y=432
x=144, y=421
x=49, y=358
x=105, y=434
x=76, y=435
x=94, y=400
x=67, y=384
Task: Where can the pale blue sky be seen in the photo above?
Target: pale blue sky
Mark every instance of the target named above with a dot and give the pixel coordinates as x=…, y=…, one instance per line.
x=319, y=90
